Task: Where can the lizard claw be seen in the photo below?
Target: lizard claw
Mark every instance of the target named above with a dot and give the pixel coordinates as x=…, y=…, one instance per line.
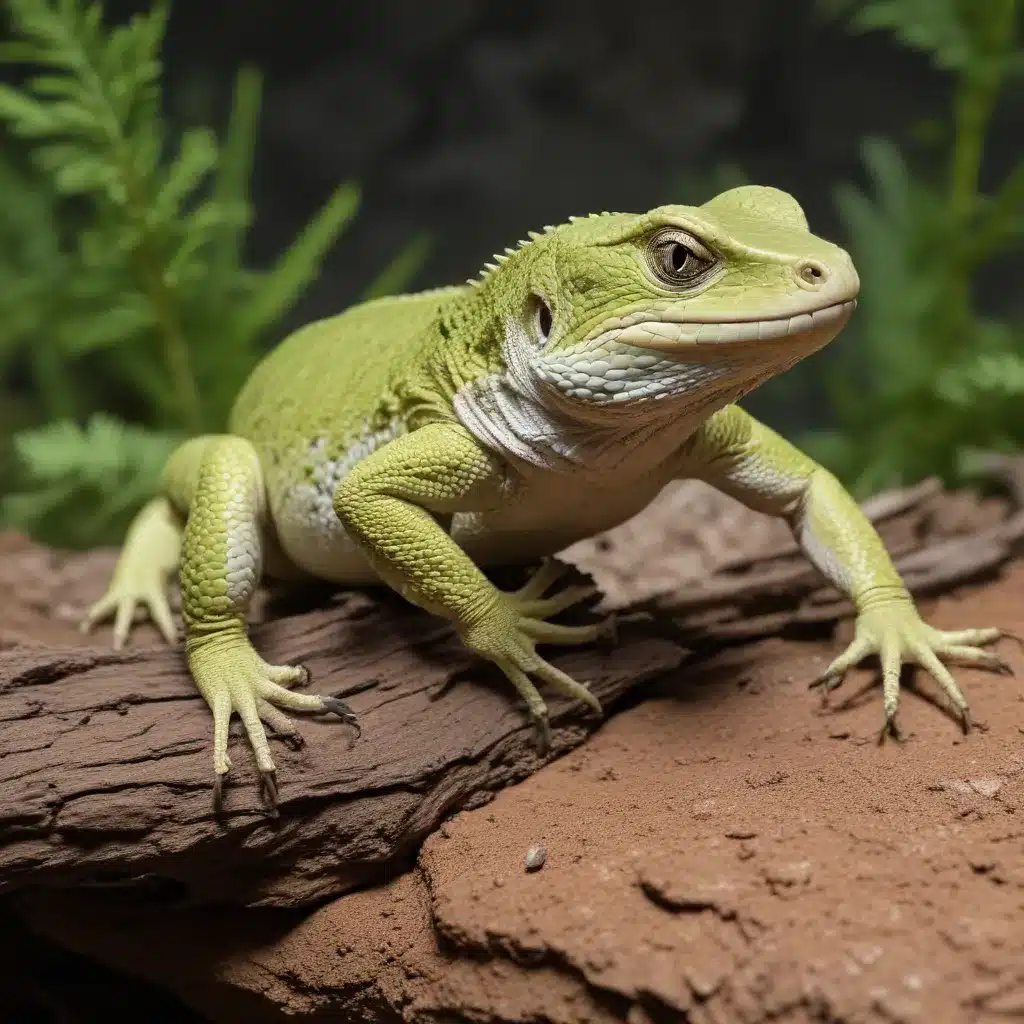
x=542, y=733
x=897, y=635
x=890, y=730
x=510, y=634
x=218, y=793
x=338, y=707
x=233, y=678
x=1015, y=637
x=826, y=682
x=268, y=792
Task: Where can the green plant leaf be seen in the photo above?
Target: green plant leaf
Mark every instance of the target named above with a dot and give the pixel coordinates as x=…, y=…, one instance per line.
x=235, y=170
x=934, y=26
x=197, y=157
x=115, y=326
x=94, y=476
x=300, y=264
x=1001, y=223
x=26, y=116
x=399, y=274
x=891, y=179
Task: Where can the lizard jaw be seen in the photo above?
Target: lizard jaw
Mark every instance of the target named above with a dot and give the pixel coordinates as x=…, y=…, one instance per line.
x=665, y=360
x=683, y=338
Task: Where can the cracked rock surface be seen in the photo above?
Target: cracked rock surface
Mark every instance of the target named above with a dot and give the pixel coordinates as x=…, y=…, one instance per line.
x=106, y=773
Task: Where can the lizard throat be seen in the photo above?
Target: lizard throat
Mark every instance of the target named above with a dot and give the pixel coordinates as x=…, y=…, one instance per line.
x=528, y=416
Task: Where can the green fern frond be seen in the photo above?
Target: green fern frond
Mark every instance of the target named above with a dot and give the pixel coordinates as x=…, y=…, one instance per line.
x=929, y=374
x=122, y=283
x=235, y=167
x=933, y=26
x=983, y=378
x=960, y=35
x=84, y=483
x=399, y=274
x=290, y=276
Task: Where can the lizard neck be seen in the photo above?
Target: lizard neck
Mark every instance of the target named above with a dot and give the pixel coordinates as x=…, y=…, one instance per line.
x=512, y=412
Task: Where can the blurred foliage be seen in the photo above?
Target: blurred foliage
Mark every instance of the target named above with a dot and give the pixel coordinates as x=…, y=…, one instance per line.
x=129, y=317
x=930, y=377
x=123, y=284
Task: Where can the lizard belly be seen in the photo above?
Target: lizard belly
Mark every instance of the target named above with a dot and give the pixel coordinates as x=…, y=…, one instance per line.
x=553, y=512
x=301, y=498
x=312, y=537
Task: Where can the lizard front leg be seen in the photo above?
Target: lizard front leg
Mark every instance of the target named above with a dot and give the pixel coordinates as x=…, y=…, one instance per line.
x=220, y=569
x=747, y=460
x=389, y=505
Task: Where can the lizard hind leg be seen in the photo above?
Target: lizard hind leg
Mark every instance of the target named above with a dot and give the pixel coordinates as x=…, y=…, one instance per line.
x=139, y=584
x=221, y=566
x=152, y=550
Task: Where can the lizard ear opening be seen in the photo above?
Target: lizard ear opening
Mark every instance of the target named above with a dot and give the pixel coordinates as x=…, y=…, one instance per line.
x=543, y=320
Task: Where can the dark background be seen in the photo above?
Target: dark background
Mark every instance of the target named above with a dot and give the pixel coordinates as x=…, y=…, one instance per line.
x=476, y=121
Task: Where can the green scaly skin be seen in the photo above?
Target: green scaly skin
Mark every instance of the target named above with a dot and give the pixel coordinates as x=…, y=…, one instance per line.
x=417, y=439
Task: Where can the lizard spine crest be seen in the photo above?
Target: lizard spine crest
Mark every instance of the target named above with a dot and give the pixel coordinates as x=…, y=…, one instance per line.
x=532, y=236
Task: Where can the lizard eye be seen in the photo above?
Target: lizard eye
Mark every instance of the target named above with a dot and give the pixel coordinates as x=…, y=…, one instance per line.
x=677, y=258
x=544, y=320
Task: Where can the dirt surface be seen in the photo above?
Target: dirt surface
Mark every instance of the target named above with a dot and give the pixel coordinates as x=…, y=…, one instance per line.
x=729, y=849
x=724, y=849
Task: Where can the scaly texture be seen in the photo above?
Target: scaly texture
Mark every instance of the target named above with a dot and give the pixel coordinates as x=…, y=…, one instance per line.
x=219, y=481
x=417, y=439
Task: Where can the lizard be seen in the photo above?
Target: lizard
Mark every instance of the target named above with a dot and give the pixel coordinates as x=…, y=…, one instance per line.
x=418, y=440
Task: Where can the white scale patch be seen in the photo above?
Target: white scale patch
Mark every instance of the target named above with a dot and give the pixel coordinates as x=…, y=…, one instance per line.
x=309, y=529
x=242, y=514
x=619, y=373
x=244, y=561
x=596, y=405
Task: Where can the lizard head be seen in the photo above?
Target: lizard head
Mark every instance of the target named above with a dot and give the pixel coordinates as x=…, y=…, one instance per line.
x=702, y=303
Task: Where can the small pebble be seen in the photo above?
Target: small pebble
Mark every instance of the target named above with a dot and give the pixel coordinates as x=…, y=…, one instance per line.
x=741, y=833
x=535, y=858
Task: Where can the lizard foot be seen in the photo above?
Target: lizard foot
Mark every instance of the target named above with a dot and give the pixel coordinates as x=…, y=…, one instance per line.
x=509, y=634
x=139, y=591
x=139, y=584
x=232, y=678
x=896, y=633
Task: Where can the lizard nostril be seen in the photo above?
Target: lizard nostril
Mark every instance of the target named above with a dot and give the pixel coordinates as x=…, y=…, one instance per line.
x=812, y=272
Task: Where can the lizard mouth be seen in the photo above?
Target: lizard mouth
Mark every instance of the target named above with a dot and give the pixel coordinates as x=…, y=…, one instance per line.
x=670, y=336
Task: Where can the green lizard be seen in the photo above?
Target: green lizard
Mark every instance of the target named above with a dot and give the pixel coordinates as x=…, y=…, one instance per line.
x=414, y=439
